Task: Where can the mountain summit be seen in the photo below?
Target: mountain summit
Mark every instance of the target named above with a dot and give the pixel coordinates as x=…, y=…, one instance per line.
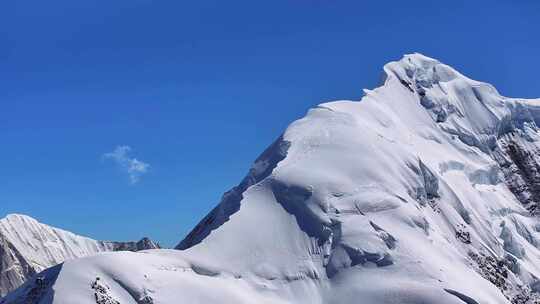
x=28, y=247
x=424, y=191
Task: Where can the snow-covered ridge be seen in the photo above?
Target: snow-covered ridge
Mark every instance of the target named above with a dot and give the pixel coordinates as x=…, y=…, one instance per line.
x=473, y=111
x=28, y=247
x=425, y=191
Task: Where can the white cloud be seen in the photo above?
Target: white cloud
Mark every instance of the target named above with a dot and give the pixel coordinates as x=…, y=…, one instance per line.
x=132, y=166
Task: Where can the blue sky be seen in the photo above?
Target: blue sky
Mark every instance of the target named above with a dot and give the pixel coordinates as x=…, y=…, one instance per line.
x=185, y=94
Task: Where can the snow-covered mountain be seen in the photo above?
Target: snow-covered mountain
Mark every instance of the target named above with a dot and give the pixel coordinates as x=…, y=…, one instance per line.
x=425, y=191
x=28, y=247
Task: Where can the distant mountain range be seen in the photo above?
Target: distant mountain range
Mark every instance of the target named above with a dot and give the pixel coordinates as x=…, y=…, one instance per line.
x=28, y=247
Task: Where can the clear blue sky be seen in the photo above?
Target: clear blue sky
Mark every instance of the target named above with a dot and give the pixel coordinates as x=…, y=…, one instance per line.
x=198, y=89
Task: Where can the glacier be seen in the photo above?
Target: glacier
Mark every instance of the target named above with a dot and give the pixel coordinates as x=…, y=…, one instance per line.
x=424, y=191
x=28, y=247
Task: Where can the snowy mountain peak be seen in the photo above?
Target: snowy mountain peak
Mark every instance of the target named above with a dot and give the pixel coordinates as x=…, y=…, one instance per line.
x=471, y=110
x=425, y=191
x=17, y=217
x=28, y=247
x=428, y=149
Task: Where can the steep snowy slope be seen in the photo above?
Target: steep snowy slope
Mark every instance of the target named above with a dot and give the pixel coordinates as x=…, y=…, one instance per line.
x=28, y=247
x=425, y=191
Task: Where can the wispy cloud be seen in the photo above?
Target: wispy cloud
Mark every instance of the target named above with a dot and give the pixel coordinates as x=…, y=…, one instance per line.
x=132, y=166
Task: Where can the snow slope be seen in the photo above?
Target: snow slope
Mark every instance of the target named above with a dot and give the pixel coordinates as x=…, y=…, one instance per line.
x=425, y=191
x=28, y=247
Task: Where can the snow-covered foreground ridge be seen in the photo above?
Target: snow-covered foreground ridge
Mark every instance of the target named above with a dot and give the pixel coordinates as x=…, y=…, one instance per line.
x=28, y=247
x=425, y=191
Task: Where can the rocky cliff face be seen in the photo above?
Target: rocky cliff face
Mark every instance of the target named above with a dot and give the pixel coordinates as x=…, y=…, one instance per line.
x=519, y=161
x=14, y=269
x=28, y=247
x=143, y=244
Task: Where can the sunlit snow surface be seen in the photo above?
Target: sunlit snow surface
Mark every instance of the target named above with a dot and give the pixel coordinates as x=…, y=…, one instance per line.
x=397, y=198
x=28, y=247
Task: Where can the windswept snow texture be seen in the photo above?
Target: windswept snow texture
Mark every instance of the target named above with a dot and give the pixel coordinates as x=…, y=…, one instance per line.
x=425, y=191
x=28, y=247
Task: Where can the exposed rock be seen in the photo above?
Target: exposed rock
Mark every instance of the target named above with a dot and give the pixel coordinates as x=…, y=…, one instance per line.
x=520, y=163
x=492, y=269
x=462, y=234
x=144, y=244
x=102, y=294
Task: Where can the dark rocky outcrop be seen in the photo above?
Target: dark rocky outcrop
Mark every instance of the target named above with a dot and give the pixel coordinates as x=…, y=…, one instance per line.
x=520, y=165
x=144, y=244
